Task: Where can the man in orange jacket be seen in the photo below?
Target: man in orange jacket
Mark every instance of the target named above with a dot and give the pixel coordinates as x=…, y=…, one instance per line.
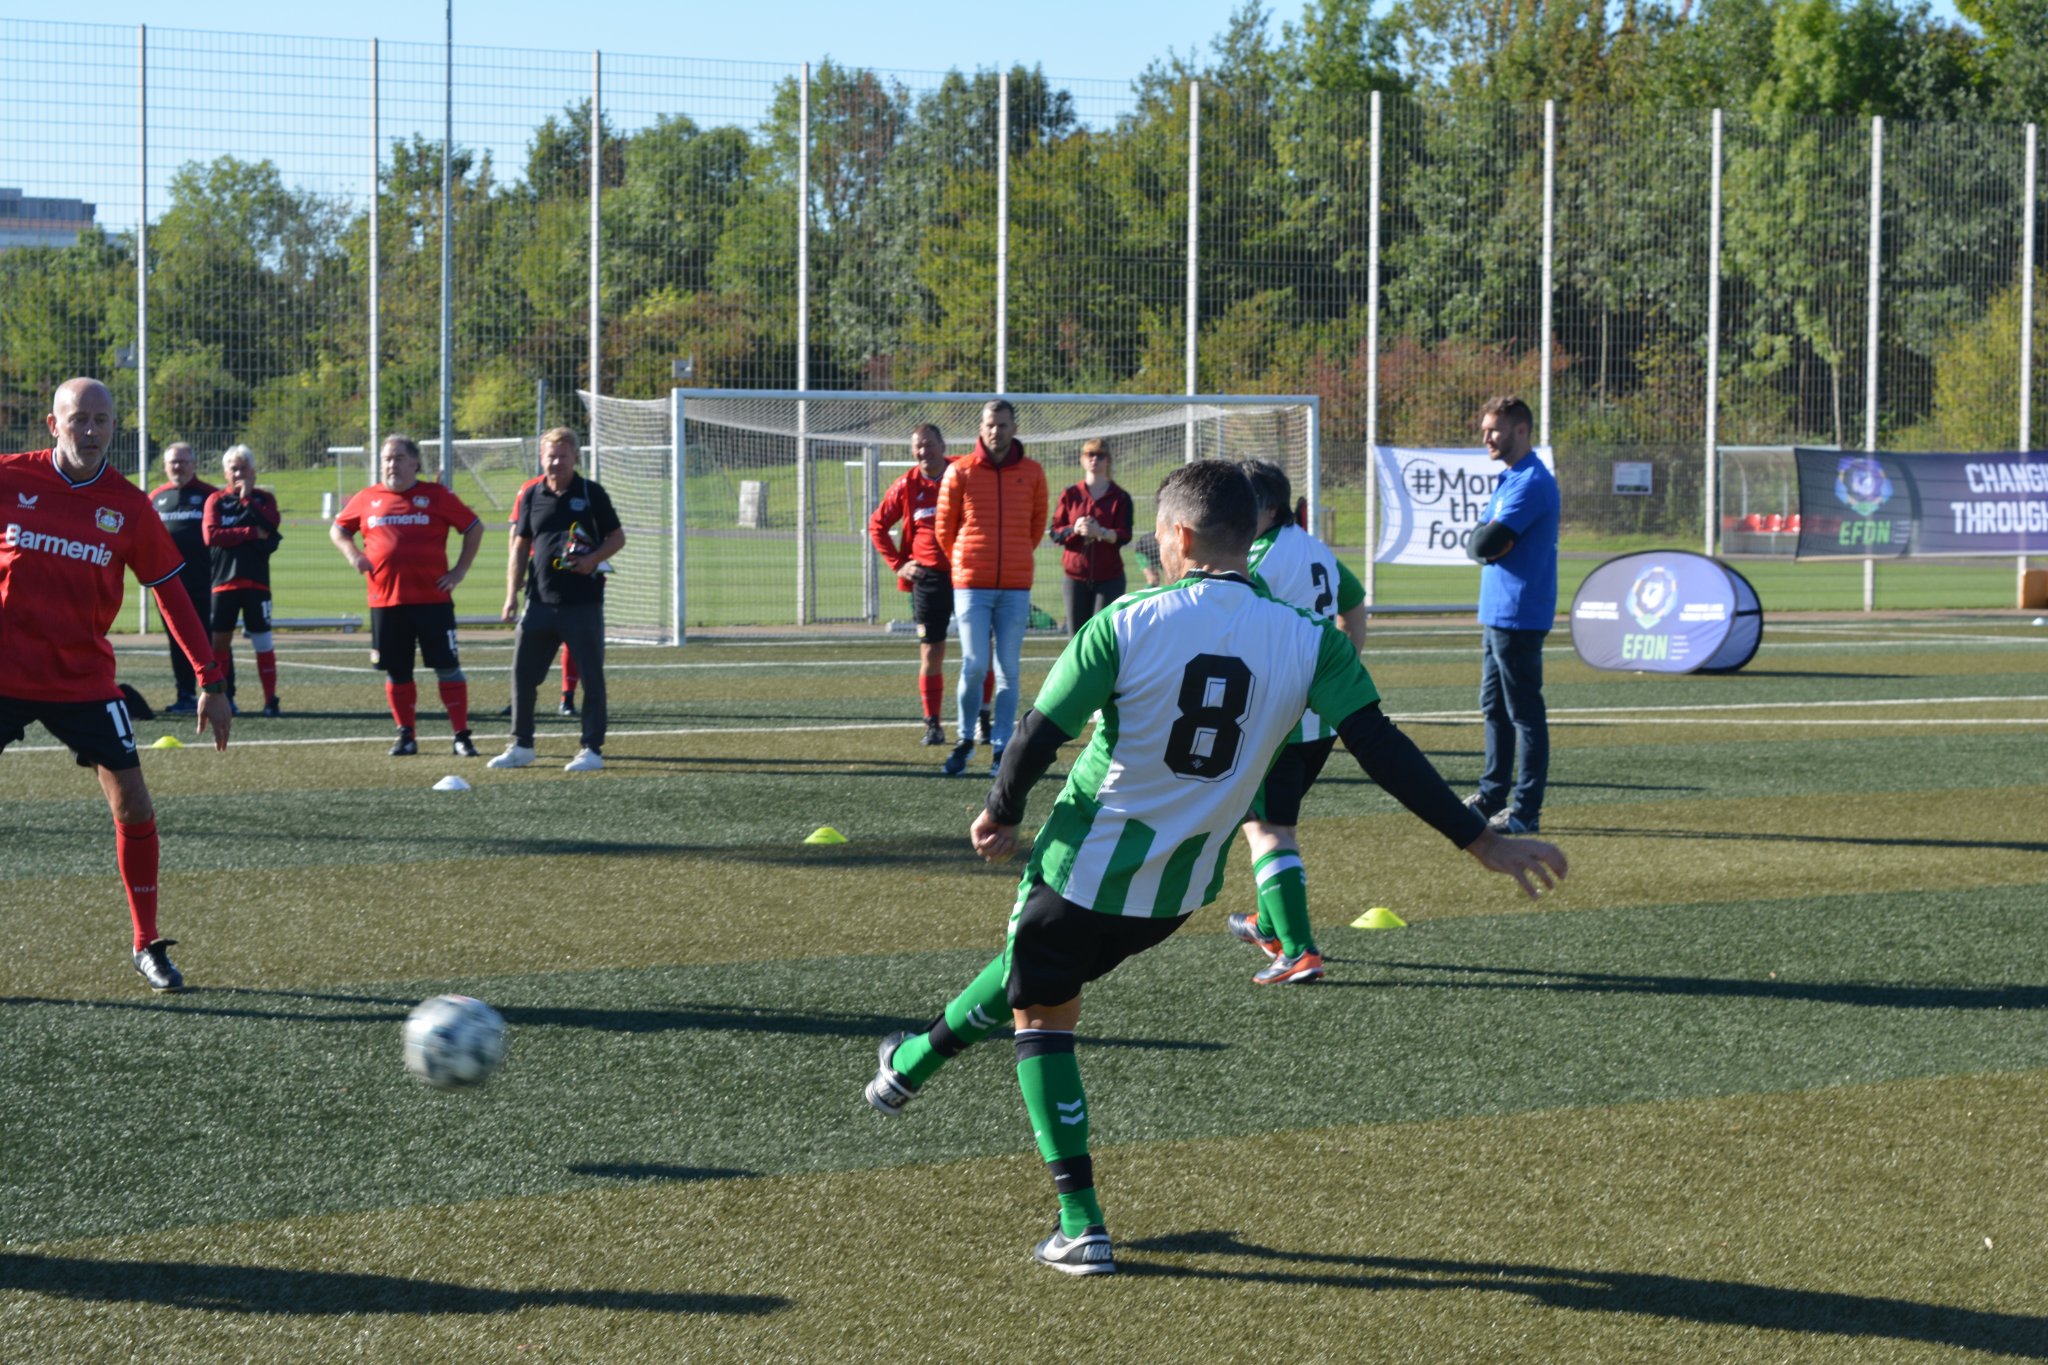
x=991, y=516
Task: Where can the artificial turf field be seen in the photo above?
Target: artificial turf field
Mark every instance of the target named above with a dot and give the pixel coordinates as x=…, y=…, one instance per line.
x=1766, y=1080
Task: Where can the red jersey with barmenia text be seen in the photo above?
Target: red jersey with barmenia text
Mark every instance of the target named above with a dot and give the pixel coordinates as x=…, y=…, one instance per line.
x=405, y=536
x=65, y=552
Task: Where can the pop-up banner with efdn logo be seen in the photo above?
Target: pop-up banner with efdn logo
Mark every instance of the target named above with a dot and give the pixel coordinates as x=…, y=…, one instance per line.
x=1666, y=611
x=1431, y=499
x=1922, y=503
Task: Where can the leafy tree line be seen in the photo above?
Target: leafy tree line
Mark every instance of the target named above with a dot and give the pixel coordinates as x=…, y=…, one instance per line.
x=259, y=290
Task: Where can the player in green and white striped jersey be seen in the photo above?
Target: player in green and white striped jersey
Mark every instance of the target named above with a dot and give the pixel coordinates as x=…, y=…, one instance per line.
x=1199, y=683
x=1295, y=567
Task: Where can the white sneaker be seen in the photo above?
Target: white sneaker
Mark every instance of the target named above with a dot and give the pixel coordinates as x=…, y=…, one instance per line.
x=515, y=756
x=586, y=761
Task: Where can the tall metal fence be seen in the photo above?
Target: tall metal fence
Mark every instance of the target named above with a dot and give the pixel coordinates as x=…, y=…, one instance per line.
x=264, y=256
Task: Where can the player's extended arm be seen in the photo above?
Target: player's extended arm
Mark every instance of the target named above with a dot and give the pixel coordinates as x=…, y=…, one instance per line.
x=882, y=521
x=1032, y=750
x=345, y=541
x=1391, y=759
x=515, y=574
x=182, y=620
x=1352, y=623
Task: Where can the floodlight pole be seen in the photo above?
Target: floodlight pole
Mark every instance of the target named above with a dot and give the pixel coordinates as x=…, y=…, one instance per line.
x=1372, y=349
x=1194, y=243
x=2027, y=317
x=596, y=246
x=1712, y=489
x=1002, y=232
x=447, y=250
x=1871, y=327
x=142, y=277
x=375, y=340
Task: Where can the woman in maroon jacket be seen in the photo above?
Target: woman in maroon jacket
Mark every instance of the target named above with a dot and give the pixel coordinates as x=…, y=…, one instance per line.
x=1093, y=519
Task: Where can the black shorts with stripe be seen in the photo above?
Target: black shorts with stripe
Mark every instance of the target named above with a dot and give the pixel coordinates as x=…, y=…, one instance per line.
x=396, y=631
x=1056, y=946
x=251, y=605
x=98, y=733
x=931, y=605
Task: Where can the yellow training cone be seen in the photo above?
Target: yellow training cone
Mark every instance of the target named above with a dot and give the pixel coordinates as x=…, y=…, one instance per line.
x=168, y=742
x=825, y=834
x=1379, y=917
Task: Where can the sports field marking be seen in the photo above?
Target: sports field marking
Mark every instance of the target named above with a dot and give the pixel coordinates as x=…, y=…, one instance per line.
x=1661, y=711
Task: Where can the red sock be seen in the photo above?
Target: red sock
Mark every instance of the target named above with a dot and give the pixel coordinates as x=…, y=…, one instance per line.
x=988, y=688
x=931, y=690
x=455, y=696
x=135, y=853
x=405, y=703
x=570, y=677
x=266, y=669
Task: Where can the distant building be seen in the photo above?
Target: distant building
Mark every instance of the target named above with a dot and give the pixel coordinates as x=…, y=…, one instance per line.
x=41, y=222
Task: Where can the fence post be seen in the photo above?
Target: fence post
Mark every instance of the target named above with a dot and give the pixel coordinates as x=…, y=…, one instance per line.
x=596, y=247
x=448, y=250
x=1711, y=491
x=142, y=277
x=1871, y=328
x=870, y=497
x=1002, y=232
x=1372, y=345
x=2027, y=315
x=803, y=348
x=376, y=338
x=1549, y=259
x=1194, y=245
x=678, y=512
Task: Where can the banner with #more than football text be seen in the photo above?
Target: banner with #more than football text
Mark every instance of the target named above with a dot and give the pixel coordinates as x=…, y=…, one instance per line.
x=1894, y=504
x=1430, y=501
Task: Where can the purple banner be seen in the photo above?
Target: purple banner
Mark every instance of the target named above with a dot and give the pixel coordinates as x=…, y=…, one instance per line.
x=1895, y=504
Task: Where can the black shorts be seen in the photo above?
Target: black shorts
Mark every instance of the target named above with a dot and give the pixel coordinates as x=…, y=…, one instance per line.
x=1056, y=946
x=931, y=605
x=252, y=605
x=395, y=631
x=96, y=732
x=1288, y=781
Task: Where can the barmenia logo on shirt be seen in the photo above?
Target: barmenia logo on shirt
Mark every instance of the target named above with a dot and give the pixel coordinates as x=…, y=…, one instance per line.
x=35, y=542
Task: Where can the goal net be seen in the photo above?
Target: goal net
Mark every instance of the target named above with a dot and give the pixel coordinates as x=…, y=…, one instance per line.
x=777, y=486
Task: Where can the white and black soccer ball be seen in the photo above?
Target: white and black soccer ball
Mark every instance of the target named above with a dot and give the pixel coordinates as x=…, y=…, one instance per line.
x=452, y=1041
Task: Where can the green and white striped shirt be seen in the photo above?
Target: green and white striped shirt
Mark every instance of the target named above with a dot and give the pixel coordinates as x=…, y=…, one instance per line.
x=1199, y=684
x=1300, y=570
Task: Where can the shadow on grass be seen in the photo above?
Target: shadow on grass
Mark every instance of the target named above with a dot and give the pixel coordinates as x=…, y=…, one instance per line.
x=656, y=1170
x=322, y=1293
x=1882, y=996
x=1859, y=840
x=1719, y=1302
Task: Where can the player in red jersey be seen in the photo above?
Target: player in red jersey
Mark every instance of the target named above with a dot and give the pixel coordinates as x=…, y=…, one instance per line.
x=70, y=530
x=405, y=525
x=923, y=571
x=241, y=534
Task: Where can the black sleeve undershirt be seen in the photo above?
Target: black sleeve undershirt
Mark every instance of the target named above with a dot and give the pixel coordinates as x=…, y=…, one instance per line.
x=1032, y=750
x=1391, y=759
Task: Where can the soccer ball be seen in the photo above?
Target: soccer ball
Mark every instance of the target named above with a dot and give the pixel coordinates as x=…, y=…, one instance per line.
x=453, y=1041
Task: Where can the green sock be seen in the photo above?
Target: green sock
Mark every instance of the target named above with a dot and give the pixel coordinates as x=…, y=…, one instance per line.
x=969, y=1017
x=1283, y=901
x=1050, y=1077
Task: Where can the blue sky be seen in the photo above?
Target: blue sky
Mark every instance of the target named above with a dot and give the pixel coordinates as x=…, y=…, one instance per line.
x=1070, y=38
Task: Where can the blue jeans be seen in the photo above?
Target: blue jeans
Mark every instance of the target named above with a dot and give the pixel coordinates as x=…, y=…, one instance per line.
x=1001, y=614
x=1511, y=705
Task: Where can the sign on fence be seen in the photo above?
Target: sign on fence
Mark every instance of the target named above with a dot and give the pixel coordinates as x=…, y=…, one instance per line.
x=1891, y=504
x=1430, y=501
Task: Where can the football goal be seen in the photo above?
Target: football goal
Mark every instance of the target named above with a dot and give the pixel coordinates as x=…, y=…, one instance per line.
x=747, y=509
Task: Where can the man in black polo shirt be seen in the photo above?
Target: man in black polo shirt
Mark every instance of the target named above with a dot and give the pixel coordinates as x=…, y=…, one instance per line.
x=565, y=525
x=181, y=504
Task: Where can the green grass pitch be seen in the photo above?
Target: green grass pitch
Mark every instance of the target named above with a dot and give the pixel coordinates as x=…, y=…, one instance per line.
x=1765, y=1080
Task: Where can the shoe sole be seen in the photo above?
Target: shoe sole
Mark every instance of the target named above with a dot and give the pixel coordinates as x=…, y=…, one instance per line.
x=1292, y=979
x=1075, y=1267
x=883, y=1052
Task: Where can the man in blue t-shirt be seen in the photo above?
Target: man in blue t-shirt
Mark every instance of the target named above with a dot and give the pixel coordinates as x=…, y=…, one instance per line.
x=1517, y=545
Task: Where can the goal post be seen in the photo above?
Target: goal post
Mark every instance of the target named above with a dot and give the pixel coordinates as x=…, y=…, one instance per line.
x=753, y=517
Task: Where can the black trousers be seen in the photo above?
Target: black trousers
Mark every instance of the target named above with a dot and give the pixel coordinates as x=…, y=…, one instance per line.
x=544, y=629
x=1084, y=599
x=198, y=584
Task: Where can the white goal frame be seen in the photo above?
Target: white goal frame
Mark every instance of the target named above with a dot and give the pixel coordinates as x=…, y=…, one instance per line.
x=680, y=400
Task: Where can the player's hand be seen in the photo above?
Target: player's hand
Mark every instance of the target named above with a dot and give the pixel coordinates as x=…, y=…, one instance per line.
x=1535, y=865
x=214, y=715
x=585, y=565
x=360, y=562
x=911, y=572
x=994, y=842
x=447, y=581
x=511, y=609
